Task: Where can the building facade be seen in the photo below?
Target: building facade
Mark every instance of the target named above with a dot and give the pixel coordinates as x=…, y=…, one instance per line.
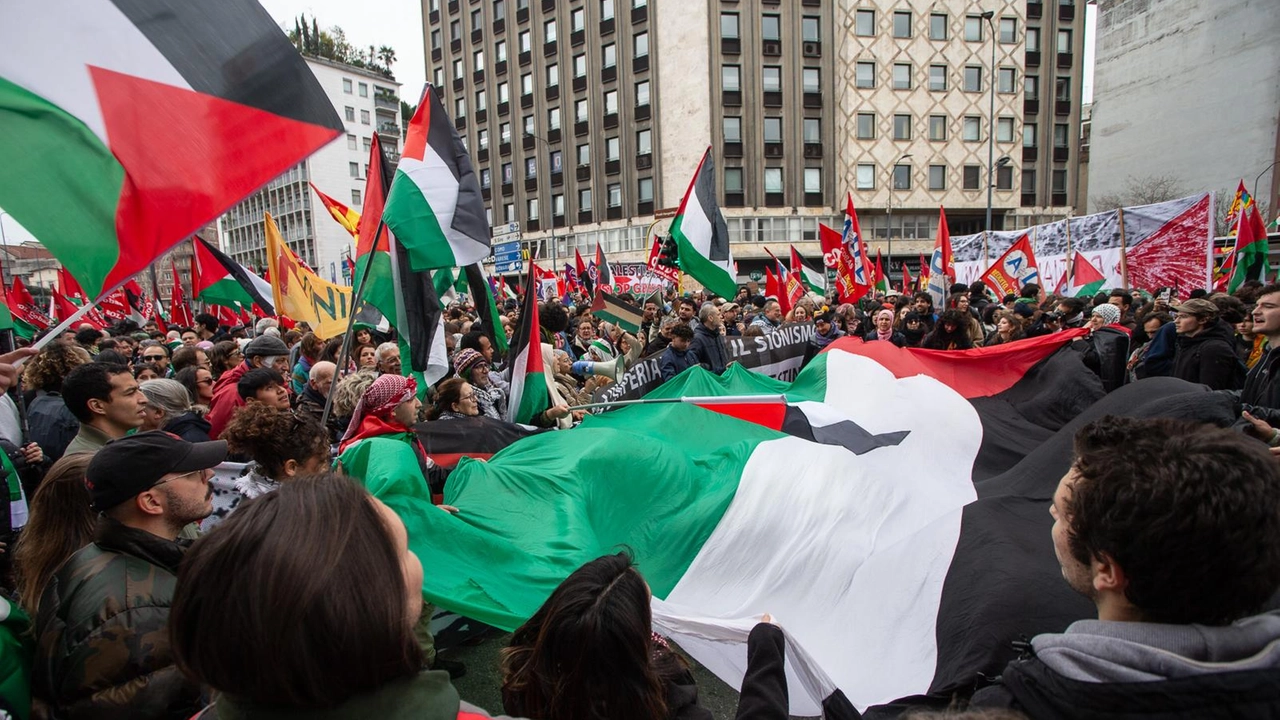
x=587, y=118
x=1188, y=91
x=368, y=104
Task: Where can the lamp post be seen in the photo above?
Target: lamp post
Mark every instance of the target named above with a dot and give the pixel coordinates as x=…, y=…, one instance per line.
x=1255, y=183
x=991, y=120
x=551, y=216
x=889, y=208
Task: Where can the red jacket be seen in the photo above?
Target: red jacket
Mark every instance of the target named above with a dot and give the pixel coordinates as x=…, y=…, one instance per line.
x=225, y=399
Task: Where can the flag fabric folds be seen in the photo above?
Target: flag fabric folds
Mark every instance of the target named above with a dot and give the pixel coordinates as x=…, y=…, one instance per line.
x=604, y=274
x=1249, y=260
x=702, y=234
x=530, y=393
x=419, y=321
x=485, y=305
x=1015, y=268
x=1240, y=204
x=179, y=310
x=836, y=255
x=623, y=314
x=435, y=207
x=1085, y=280
x=373, y=257
x=942, y=266
x=219, y=280
x=346, y=217
x=300, y=294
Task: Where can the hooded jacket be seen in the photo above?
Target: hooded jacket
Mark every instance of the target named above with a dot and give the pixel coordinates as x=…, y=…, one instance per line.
x=708, y=348
x=226, y=398
x=1209, y=358
x=1261, y=394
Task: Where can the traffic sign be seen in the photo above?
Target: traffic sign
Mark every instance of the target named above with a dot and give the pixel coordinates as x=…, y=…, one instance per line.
x=516, y=265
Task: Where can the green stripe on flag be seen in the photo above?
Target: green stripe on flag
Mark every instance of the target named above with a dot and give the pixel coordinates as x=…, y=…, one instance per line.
x=700, y=268
x=1091, y=289
x=227, y=292
x=415, y=225
x=379, y=290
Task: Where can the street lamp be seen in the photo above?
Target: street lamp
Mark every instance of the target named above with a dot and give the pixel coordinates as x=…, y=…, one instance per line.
x=889, y=208
x=1255, y=182
x=991, y=119
x=551, y=215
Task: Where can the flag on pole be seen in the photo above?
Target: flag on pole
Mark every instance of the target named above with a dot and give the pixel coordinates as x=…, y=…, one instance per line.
x=702, y=235
x=1014, y=269
x=906, y=279
x=300, y=294
x=942, y=267
x=584, y=276
x=852, y=239
x=219, y=280
x=530, y=394
x=179, y=310
x=620, y=313
x=782, y=273
x=1240, y=205
x=91, y=91
x=486, y=307
x=1086, y=280
x=1250, y=255
x=27, y=315
x=836, y=255
x=923, y=280
x=374, y=253
x=346, y=217
x=419, y=321
x=813, y=280
x=604, y=274
x=882, y=279
x=772, y=288
x=435, y=207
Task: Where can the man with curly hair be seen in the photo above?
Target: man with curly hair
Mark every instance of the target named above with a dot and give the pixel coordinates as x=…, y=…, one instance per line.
x=1172, y=529
x=51, y=425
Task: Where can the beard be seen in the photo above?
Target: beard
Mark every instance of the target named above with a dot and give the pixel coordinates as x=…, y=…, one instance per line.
x=182, y=511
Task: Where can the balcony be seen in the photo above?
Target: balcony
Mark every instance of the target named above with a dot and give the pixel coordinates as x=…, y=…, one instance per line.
x=610, y=121
x=730, y=46
x=548, y=6
x=613, y=213
x=577, y=38
x=1035, y=10
x=459, y=84
x=733, y=149
x=1029, y=153
x=503, y=109
x=640, y=64
x=731, y=98
x=734, y=199
x=522, y=15
x=773, y=98
x=549, y=49
x=499, y=26
x=526, y=101
x=813, y=199
x=1062, y=107
x=504, y=148
x=1058, y=199
x=1064, y=60
x=606, y=27
x=531, y=185
x=642, y=112
x=477, y=35
x=436, y=54
x=644, y=207
x=813, y=100
x=1031, y=106
x=525, y=58
x=612, y=167
x=1028, y=199
x=609, y=74
x=477, y=76
x=386, y=101
x=1033, y=58
x=813, y=151
x=1061, y=154
x=389, y=130
x=553, y=135
x=584, y=217
x=1066, y=13
x=455, y=46
x=580, y=83
x=532, y=224
x=453, y=7
x=459, y=122
x=528, y=142
x=581, y=129
x=774, y=199
x=482, y=116
x=482, y=155
x=500, y=68
x=553, y=92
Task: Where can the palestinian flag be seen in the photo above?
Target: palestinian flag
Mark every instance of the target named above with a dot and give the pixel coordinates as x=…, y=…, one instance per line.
x=607, y=306
x=813, y=280
x=701, y=233
x=486, y=307
x=419, y=321
x=476, y=437
x=28, y=318
x=881, y=280
x=925, y=534
x=782, y=285
x=346, y=217
x=529, y=394
x=1085, y=280
x=448, y=283
x=1252, y=247
x=604, y=274
x=372, y=280
x=69, y=288
x=131, y=124
x=435, y=207
x=219, y=280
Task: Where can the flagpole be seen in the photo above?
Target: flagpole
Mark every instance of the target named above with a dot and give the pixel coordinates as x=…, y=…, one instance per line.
x=351, y=322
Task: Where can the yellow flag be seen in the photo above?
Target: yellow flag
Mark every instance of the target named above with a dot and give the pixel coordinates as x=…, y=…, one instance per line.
x=301, y=294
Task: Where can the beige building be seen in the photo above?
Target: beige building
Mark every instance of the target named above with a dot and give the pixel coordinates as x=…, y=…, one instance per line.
x=588, y=116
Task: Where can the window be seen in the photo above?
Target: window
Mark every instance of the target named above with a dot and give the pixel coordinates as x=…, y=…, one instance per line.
x=864, y=23
x=499, y=10
x=1059, y=181
x=812, y=130
x=557, y=162
x=644, y=142
x=902, y=76
x=732, y=129
x=1033, y=39
x=866, y=177
x=642, y=93
x=368, y=144
x=1008, y=30
x=865, y=75
x=731, y=78
x=526, y=41
x=615, y=194
x=938, y=26
x=529, y=125
x=729, y=26
x=771, y=80
x=438, y=77
x=353, y=169
x=549, y=31
x=1004, y=129
x=811, y=79
x=356, y=198
x=606, y=9
x=610, y=54
x=612, y=148
x=1004, y=178
x=477, y=60
x=458, y=69
x=1064, y=42
x=580, y=65
x=1028, y=181
x=526, y=84
x=455, y=30
x=901, y=177
x=486, y=178
x=813, y=180
x=902, y=24
x=972, y=177
x=553, y=74
x=611, y=102
x=972, y=129
x=773, y=130
x=973, y=28
x=973, y=78
x=1029, y=138
x=530, y=168
x=733, y=180
x=773, y=180
x=504, y=92
x=504, y=132
x=937, y=177
x=1061, y=133
x=346, y=85
x=584, y=154
x=435, y=39
x=938, y=78
x=581, y=110
x=641, y=45
x=364, y=117
x=1031, y=87
x=577, y=19
x=350, y=114
x=901, y=127
x=810, y=29
x=476, y=21
x=584, y=200
x=553, y=119
x=644, y=190
x=557, y=205
x=1062, y=89
x=771, y=27
x=866, y=126
x=364, y=90
x=482, y=138
x=482, y=100
x=532, y=205
x=937, y=128
x=1006, y=80
x=351, y=142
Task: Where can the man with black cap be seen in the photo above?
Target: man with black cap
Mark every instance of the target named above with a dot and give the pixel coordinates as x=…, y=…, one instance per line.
x=265, y=351
x=102, y=641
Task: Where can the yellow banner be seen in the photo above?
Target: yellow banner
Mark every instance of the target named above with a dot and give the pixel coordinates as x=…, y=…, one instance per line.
x=302, y=295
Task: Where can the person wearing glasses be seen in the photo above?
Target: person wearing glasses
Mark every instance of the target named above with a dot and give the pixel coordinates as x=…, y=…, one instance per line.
x=102, y=637
x=153, y=353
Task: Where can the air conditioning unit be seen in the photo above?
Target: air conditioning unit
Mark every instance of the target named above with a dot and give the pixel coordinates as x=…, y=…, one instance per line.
x=813, y=49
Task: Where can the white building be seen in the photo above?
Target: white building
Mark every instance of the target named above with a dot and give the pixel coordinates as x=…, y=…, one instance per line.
x=368, y=103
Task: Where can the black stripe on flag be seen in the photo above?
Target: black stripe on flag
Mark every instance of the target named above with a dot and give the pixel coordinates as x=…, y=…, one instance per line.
x=422, y=309
x=233, y=50
x=237, y=271
x=705, y=191
x=468, y=215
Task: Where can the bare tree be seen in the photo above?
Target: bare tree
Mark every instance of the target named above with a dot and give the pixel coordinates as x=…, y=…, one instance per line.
x=1145, y=190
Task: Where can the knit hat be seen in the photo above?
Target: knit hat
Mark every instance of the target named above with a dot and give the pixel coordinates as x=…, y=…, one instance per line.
x=265, y=346
x=466, y=359
x=1109, y=313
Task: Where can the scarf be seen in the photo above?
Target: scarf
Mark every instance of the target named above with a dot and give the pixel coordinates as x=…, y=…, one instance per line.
x=1257, y=351
x=382, y=397
x=370, y=426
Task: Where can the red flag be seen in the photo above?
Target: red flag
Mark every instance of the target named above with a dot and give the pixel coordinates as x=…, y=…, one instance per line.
x=179, y=311
x=836, y=255
x=64, y=308
x=770, y=283
x=781, y=273
x=1015, y=268
x=226, y=316
x=906, y=278
x=942, y=266
x=583, y=276
x=656, y=267
x=69, y=288
x=24, y=307
x=795, y=282
x=852, y=239
x=923, y=280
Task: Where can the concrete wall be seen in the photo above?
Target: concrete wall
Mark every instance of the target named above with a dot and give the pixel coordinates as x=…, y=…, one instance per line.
x=1186, y=88
x=681, y=94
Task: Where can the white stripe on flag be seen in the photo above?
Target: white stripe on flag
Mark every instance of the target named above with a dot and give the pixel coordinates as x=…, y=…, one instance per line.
x=696, y=226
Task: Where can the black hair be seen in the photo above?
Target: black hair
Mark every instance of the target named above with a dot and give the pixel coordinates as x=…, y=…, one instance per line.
x=553, y=317
x=1074, y=305
x=471, y=340
x=1030, y=290
x=91, y=381
x=88, y=336
x=111, y=357
x=681, y=330
x=207, y=321
x=256, y=379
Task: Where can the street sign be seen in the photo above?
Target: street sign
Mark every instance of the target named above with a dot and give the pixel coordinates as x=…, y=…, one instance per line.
x=516, y=265
x=511, y=228
x=756, y=275
x=506, y=252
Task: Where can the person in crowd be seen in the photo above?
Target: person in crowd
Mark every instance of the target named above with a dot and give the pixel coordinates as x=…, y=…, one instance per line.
x=570, y=388
x=730, y=313
x=590, y=652
x=224, y=356
x=185, y=357
x=199, y=384
x=662, y=338
x=922, y=303
x=799, y=313
x=1103, y=315
x=314, y=395
x=364, y=357
x=190, y=338
x=51, y=424
x=687, y=311
x=474, y=369
x=455, y=398
x=1071, y=311
x=960, y=301
x=88, y=338
x=1123, y=300
x=1172, y=530
x=769, y=318
x=347, y=393
x=156, y=354
x=281, y=446
x=169, y=408
x=261, y=352
x=678, y=356
x=950, y=333
x=389, y=358
x=884, y=329
x=143, y=373
x=913, y=329
x=825, y=329
x=364, y=336
x=1008, y=329
x=1151, y=325
x=1205, y=347
x=105, y=399
x=1250, y=345
x=649, y=321
x=309, y=348
x=583, y=334
x=102, y=635
x=61, y=522
x=707, y=345
x=1261, y=394
x=206, y=327
x=265, y=386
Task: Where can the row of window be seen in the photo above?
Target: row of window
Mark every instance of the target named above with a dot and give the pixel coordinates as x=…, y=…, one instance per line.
x=902, y=76
x=937, y=178
x=586, y=201
x=902, y=127
x=607, y=10
x=608, y=52
x=348, y=89
x=770, y=27
x=581, y=107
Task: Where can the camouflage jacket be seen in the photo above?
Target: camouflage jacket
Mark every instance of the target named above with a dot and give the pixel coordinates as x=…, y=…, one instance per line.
x=102, y=639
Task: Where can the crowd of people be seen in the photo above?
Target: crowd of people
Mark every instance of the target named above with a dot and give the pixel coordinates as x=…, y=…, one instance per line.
x=136, y=591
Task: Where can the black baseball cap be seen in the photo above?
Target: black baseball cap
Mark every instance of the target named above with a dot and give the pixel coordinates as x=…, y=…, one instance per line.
x=133, y=464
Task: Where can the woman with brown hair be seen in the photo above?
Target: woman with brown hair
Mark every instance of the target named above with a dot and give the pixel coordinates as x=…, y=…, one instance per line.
x=61, y=522
x=223, y=356
x=52, y=426
x=1008, y=329
x=326, y=552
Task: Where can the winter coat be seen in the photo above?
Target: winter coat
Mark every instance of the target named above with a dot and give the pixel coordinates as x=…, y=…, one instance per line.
x=190, y=427
x=1261, y=394
x=226, y=399
x=102, y=637
x=709, y=349
x=51, y=424
x=1209, y=358
x=897, y=338
x=673, y=362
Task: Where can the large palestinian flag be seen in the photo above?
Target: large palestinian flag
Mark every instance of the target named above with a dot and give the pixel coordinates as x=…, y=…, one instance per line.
x=219, y=280
x=701, y=233
x=130, y=124
x=892, y=516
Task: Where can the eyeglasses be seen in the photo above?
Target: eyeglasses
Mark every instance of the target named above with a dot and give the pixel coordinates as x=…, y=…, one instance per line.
x=154, y=357
x=466, y=397
x=207, y=381
x=198, y=473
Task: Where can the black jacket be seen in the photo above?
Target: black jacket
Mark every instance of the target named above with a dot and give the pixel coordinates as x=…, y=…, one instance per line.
x=897, y=338
x=190, y=427
x=1210, y=358
x=1261, y=394
x=709, y=349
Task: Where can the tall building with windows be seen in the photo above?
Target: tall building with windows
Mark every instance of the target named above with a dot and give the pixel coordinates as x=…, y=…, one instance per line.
x=587, y=118
x=368, y=104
